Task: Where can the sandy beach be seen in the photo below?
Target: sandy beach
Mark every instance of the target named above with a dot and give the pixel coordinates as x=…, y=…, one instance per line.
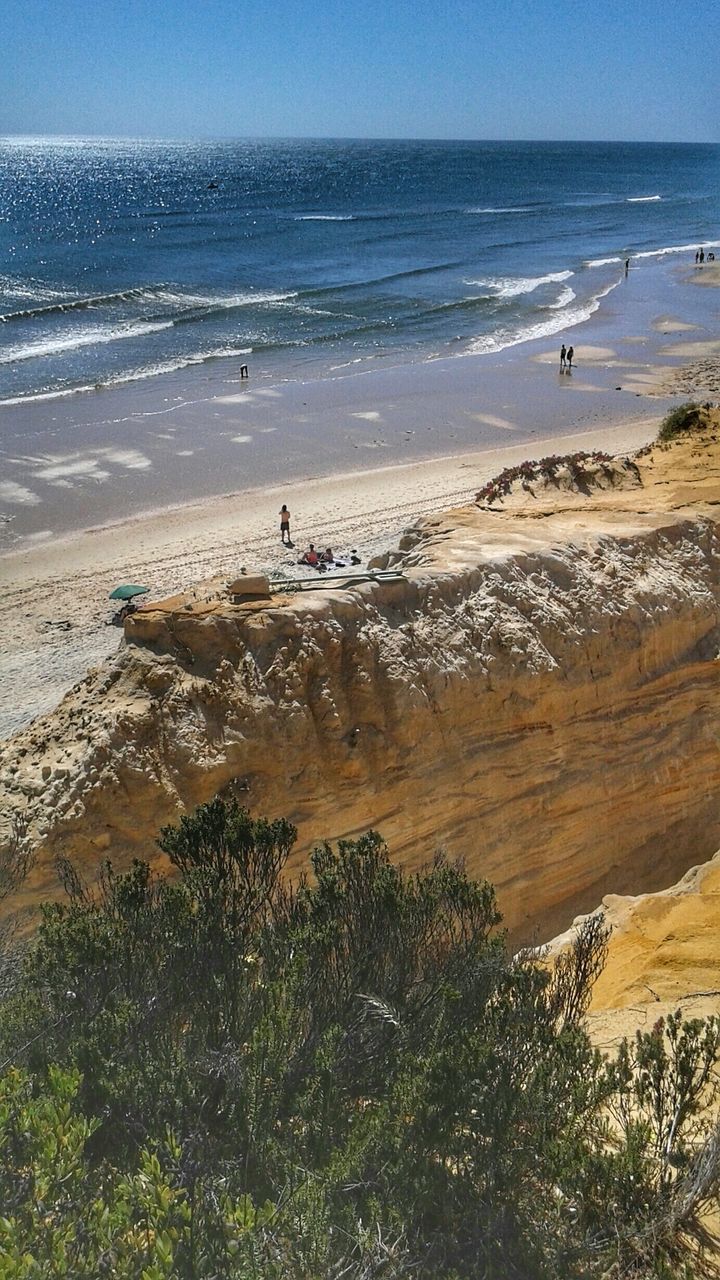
x=54, y=610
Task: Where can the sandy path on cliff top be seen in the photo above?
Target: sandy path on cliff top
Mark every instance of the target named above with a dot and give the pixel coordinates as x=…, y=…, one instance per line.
x=54, y=600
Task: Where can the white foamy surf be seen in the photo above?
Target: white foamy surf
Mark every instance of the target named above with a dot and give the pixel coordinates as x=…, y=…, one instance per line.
x=564, y=320
x=151, y=371
x=85, y=338
x=515, y=286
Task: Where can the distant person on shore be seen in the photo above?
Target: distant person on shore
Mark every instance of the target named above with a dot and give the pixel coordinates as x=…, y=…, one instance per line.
x=627, y=265
x=285, y=525
x=697, y=256
x=702, y=256
x=570, y=354
x=310, y=557
x=563, y=354
x=711, y=257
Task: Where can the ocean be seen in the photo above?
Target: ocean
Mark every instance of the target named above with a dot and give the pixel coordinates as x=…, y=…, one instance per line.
x=126, y=260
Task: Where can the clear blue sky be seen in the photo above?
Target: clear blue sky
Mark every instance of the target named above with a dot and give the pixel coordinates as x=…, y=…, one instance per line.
x=616, y=69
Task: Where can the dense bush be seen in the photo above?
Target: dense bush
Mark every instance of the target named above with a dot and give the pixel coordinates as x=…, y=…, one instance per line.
x=224, y=1076
x=686, y=417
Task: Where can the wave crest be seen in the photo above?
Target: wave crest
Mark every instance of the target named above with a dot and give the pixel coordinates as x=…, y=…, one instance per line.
x=324, y=217
x=522, y=208
x=515, y=286
x=601, y=262
x=151, y=371
x=157, y=295
x=70, y=342
x=543, y=329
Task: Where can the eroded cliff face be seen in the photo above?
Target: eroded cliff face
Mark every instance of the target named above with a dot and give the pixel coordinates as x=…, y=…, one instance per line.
x=537, y=693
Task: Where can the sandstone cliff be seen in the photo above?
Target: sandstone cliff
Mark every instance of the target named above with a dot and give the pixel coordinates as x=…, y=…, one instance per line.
x=537, y=692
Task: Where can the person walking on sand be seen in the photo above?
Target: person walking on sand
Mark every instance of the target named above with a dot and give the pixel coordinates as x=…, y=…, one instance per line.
x=285, y=525
x=570, y=354
x=562, y=356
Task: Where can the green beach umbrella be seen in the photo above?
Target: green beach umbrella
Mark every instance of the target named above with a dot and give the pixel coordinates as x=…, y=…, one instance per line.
x=127, y=591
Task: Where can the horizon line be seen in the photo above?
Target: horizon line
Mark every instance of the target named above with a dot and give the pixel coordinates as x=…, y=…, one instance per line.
x=281, y=137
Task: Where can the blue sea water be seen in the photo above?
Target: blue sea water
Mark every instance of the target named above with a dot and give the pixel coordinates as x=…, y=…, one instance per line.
x=125, y=259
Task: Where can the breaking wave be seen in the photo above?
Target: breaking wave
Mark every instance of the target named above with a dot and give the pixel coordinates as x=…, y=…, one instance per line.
x=161, y=295
x=69, y=342
x=151, y=371
x=502, y=339
x=514, y=287
x=601, y=262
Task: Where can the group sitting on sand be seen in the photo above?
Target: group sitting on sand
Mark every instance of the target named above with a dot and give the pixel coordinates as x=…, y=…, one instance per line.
x=323, y=560
x=320, y=560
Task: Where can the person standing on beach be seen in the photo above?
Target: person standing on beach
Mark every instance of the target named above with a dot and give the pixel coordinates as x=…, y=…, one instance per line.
x=562, y=356
x=570, y=354
x=285, y=525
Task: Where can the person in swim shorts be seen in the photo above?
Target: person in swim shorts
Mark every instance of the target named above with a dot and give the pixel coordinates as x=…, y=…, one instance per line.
x=285, y=524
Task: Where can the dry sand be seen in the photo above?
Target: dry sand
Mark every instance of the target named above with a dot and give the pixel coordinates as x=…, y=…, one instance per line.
x=54, y=607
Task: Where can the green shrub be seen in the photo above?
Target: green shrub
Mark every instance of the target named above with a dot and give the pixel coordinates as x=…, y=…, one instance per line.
x=686, y=417
x=227, y=1076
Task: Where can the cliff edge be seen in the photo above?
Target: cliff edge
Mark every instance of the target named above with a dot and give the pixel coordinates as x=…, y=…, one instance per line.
x=535, y=689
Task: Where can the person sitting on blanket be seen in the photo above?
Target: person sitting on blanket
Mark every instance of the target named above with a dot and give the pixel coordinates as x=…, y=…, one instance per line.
x=310, y=557
x=327, y=556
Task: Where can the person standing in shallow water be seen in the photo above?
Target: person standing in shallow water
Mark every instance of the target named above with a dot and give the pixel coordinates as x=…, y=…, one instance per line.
x=570, y=354
x=562, y=356
x=285, y=525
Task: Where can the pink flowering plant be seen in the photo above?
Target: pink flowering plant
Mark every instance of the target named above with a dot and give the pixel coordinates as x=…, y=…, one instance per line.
x=582, y=466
